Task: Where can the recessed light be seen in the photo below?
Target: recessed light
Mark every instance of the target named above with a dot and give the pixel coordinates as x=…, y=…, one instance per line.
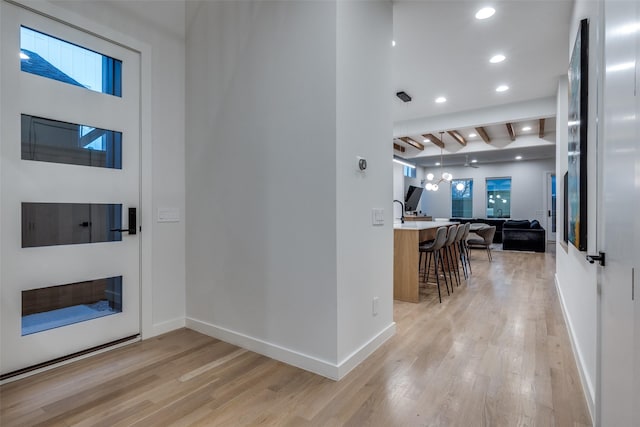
x=24, y=55
x=526, y=128
x=441, y=99
x=426, y=140
x=502, y=88
x=474, y=161
x=485, y=12
x=437, y=163
x=518, y=157
x=472, y=135
x=497, y=58
x=393, y=42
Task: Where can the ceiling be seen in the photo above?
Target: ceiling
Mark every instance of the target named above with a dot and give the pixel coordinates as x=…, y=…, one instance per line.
x=441, y=49
x=487, y=157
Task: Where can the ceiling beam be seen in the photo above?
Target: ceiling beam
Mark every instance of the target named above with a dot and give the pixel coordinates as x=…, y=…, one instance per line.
x=434, y=139
x=412, y=143
x=483, y=134
x=400, y=148
x=541, y=129
x=456, y=135
x=512, y=134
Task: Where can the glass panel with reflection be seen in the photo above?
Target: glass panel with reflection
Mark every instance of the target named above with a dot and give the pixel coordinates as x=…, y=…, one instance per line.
x=62, y=305
x=48, y=224
x=56, y=59
x=47, y=140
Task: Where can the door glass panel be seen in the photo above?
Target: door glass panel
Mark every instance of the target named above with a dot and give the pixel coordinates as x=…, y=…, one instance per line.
x=56, y=306
x=46, y=140
x=47, y=224
x=56, y=59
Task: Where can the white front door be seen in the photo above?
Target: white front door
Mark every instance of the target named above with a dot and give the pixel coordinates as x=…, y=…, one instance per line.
x=618, y=402
x=70, y=174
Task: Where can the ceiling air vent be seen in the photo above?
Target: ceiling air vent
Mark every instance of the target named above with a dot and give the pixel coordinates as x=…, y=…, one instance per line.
x=403, y=96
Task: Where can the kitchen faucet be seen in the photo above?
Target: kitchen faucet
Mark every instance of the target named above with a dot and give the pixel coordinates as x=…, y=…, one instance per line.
x=402, y=212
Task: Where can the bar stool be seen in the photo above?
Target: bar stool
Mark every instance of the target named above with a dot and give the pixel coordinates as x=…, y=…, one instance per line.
x=448, y=247
x=464, y=249
x=458, y=245
x=433, y=250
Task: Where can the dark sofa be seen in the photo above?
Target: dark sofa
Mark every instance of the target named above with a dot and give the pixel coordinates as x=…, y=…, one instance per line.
x=497, y=238
x=523, y=235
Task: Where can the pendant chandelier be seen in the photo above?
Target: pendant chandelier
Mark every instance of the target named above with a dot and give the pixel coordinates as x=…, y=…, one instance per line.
x=445, y=177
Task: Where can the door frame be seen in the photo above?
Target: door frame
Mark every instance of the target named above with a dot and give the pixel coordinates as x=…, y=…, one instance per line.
x=146, y=218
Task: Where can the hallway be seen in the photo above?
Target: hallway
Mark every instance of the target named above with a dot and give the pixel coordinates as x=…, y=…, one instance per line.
x=495, y=353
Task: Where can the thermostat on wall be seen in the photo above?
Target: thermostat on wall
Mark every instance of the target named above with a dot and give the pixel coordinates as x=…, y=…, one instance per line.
x=362, y=163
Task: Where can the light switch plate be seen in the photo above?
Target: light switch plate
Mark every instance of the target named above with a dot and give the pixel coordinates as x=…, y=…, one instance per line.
x=168, y=215
x=377, y=216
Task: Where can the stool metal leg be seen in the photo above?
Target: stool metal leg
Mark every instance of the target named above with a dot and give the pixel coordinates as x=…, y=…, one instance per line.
x=444, y=275
x=468, y=252
x=463, y=260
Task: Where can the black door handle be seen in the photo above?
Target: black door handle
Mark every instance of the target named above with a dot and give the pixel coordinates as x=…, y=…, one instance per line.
x=593, y=258
x=133, y=227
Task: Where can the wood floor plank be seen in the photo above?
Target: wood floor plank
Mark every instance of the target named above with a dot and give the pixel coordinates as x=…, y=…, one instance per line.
x=495, y=353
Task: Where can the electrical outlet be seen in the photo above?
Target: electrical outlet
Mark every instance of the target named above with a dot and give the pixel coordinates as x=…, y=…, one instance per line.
x=375, y=305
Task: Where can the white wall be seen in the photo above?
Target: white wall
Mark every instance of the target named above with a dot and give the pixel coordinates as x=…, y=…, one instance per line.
x=364, y=128
x=527, y=188
x=576, y=279
x=266, y=152
x=160, y=25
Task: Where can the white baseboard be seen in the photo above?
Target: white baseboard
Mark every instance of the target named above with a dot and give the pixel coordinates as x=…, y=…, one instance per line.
x=358, y=356
x=167, y=326
x=587, y=386
x=292, y=357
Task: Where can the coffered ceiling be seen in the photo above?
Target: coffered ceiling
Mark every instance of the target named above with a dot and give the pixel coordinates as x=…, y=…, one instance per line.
x=442, y=50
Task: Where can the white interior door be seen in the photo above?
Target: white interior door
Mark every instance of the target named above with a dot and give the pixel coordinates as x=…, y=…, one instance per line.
x=619, y=352
x=69, y=144
x=636, y=250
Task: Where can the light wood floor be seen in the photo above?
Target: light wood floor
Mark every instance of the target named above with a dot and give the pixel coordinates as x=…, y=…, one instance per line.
x=495, y=353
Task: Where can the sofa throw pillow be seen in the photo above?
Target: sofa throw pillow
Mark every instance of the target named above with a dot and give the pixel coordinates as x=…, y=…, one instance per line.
x=535, y=225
